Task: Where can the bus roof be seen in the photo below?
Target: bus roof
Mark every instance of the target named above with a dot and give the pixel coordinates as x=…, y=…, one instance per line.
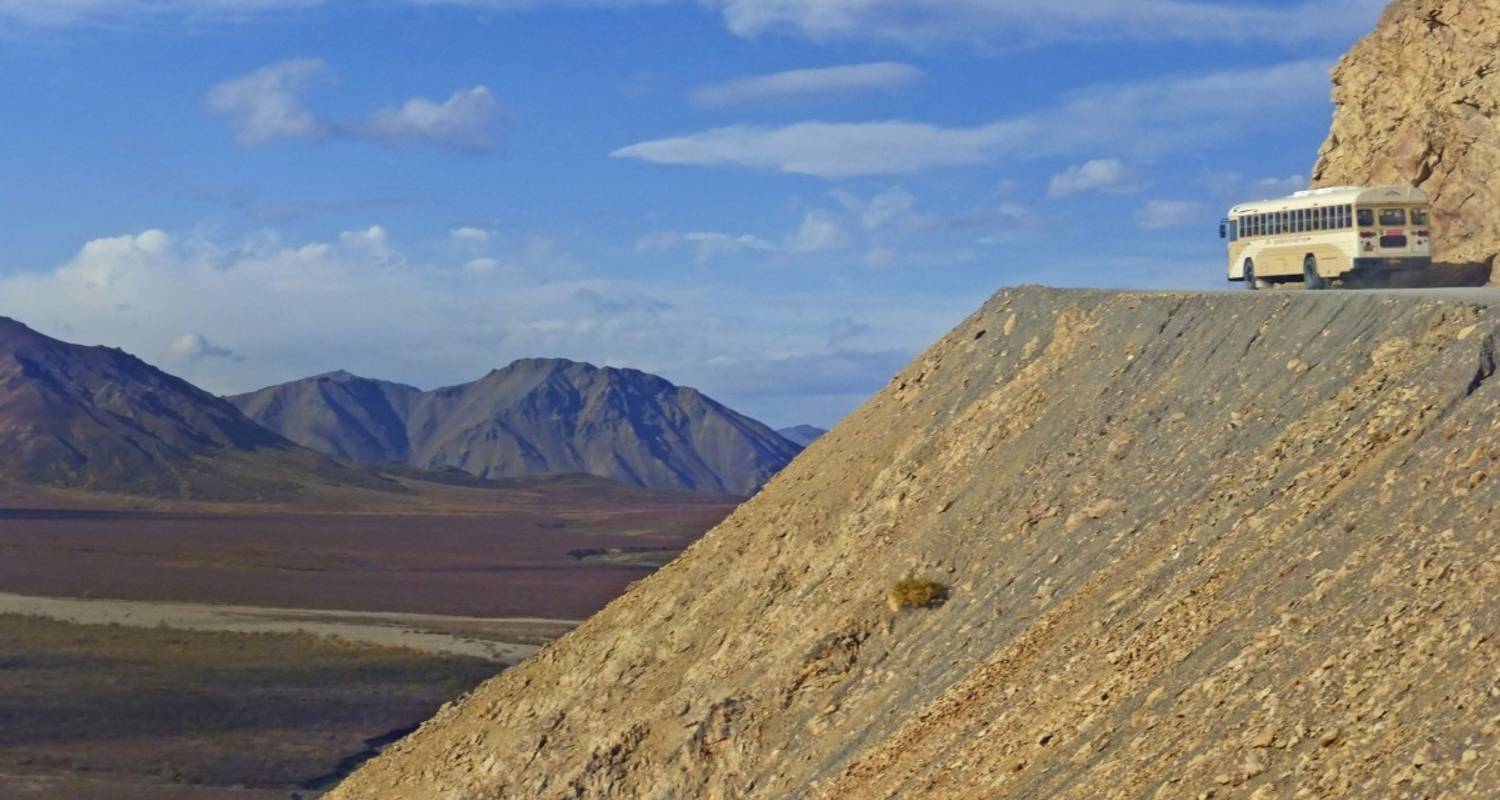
x=1335, y=196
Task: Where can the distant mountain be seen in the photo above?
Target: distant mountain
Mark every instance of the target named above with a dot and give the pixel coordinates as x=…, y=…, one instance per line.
x=535, y=416
x=802, y=435
x=340, y=414
x=98, y=418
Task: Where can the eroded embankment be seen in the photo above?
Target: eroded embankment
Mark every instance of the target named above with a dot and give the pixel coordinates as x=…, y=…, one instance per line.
x=1199, y=545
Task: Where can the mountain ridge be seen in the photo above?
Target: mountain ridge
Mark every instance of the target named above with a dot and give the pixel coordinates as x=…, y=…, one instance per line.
x=100, y=419
x=535, y=416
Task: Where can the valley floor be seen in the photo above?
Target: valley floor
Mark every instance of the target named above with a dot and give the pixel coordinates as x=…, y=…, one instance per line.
x=123, y=712
x=229, y=654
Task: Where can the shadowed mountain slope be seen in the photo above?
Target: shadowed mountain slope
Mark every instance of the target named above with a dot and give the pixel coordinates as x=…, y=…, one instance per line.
x=340, y=414
x=1196, y=545
x=803, y=435
x=100, y=419
x=536, y=416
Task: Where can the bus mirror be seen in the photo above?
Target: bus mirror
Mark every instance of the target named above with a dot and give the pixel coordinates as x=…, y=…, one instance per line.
x=1223, y=230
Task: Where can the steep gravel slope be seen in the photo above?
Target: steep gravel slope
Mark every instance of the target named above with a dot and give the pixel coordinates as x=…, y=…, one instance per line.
x=1199, y=545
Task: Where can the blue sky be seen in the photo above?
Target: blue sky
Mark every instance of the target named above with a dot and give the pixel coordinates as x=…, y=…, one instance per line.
x=777, y=201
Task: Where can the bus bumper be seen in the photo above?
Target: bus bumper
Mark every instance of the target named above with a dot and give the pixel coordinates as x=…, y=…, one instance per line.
x=1377, y=266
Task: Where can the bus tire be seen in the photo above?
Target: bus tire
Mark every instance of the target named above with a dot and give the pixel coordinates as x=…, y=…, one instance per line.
x=1250, y=282
x=1310, y=276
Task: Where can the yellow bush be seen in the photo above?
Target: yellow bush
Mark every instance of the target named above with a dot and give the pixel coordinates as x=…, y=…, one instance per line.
x=912, y=592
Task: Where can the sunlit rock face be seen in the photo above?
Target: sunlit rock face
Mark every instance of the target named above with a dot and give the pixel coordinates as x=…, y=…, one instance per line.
x=1418, y=103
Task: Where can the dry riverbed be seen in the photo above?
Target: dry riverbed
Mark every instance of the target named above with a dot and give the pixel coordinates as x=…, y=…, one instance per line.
x=504, y=640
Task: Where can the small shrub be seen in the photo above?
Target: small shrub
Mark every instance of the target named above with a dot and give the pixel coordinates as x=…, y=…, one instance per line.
x=912, y=592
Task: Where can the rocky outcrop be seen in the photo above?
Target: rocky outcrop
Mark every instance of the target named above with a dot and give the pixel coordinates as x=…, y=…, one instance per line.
x=1418, y=103
x=536, y=416
x=1195, y=546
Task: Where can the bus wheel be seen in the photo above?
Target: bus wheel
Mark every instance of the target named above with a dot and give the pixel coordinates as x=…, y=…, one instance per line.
x=1310, y=276
x=1250, y=282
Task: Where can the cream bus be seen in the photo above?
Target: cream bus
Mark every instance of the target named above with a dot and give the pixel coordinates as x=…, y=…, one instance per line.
x=1322, y=235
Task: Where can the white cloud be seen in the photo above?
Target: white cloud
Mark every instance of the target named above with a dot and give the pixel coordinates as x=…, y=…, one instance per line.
x=891, y=213
x=465, y=121
x=820, y=232
x=1159, y=214
x=986, y=24
x=849, y=78
x=56, y=13
x=708, y=245
x=1234, y=187
x=193, y=347
x=831, y=149
x=482, y=266
x=884, y=229
x=1279, y=187
x=266, y=105
x=471, y=236
x=1108, y=175
x=1142, y=119
x=1029, y=22
x=1000, y=223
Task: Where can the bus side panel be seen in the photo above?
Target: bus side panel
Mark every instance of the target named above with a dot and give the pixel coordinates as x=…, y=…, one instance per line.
x=1333, y=260
x=1237, y=260
x=1279, y=261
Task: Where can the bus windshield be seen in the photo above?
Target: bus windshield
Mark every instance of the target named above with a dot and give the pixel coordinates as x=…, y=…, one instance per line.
x=1392, y=216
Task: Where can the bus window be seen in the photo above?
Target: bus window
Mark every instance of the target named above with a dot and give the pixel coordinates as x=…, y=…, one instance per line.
x=1299, y=221
x=1234, y=230
x=1419, y=216
x=1392, y=216
x=1324, y=215
x=1366, y=218
x=1346, y=217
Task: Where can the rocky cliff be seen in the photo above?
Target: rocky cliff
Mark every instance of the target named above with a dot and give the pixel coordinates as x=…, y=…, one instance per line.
x=1194, y=546
x=1418, y=103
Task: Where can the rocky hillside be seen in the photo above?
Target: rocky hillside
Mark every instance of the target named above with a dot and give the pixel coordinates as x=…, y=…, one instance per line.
x=535, y=416
x=1219, y=545
x=1418, y=103
x=101, y=419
